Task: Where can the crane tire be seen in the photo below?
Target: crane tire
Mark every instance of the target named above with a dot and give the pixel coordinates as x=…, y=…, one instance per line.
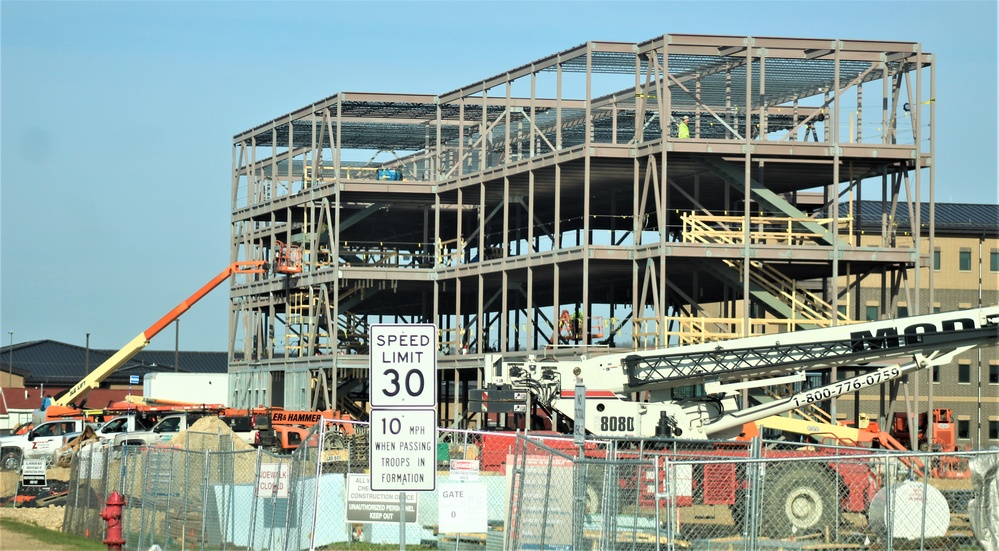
x=798, y=500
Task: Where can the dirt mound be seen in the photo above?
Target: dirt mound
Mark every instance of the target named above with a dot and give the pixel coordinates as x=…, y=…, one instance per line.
x=206, y=434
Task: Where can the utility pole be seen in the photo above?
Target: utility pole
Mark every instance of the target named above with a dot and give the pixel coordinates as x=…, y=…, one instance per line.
x=176, y=345
x=10, y=360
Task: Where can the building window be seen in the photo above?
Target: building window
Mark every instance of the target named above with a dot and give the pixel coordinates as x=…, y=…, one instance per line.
x=994, y=260
x=993, y=374
x=903, y=312
x=936, y=374
x=964, y=373
x=936, y=260
x=964, y=260
x=963, y=428
x=993, y=430
x=872, y=313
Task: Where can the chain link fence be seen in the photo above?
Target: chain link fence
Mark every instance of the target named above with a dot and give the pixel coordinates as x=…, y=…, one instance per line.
x=734, y=495
x=212, y=491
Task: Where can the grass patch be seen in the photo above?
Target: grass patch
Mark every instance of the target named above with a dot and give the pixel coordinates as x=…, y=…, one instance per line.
x=52, y=537
x=358, y=546
x=78, y=543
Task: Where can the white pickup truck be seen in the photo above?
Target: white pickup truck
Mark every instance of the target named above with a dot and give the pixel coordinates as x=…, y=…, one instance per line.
x=169, y=426
x=40, y=442
x=120, y=425
x=161, y=432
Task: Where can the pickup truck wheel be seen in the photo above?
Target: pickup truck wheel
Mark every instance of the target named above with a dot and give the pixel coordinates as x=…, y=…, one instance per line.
x=798, y=500
x=10, y=460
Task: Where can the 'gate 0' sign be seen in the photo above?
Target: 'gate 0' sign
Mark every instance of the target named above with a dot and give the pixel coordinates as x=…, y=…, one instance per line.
x=403, y=366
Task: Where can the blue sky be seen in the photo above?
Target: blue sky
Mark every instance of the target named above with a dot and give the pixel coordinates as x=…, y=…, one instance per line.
x=117, y=121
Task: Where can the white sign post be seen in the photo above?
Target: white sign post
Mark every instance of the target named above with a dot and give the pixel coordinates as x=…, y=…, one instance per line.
x=403, y=382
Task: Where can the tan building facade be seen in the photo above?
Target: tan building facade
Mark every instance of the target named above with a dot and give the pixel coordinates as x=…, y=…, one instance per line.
x=963, y=270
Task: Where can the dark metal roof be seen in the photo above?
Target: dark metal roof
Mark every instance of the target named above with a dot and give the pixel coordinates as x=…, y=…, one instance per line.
x=793, y=69
x=55, y=363
x=951, y=218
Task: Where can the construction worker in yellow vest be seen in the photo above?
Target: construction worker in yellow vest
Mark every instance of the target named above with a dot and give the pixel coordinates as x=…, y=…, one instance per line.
x=683, y=131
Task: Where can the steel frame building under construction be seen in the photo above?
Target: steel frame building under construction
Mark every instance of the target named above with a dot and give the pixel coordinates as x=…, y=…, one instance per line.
x=553, y=210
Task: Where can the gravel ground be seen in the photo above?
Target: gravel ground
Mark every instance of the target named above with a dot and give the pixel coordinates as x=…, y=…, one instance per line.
x=46, y=517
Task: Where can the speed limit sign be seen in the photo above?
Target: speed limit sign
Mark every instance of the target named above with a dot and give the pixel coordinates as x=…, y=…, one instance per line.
x=403, y=366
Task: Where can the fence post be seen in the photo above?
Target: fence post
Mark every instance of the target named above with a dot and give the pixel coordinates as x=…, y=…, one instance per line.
x=756, y=477
x=166, y=512
x=251, y=538
x=204, y=499
x=187, y=498
x=68, y=518
x=319, y=469
x=145, y=477
x=294, y=495
x=517, y=493
x=130, y=512
x=889, y=489
x=927, y=462
x=609, y=505
x=669, y=496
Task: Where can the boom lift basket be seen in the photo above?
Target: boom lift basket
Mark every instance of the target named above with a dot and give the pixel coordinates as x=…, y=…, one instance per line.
x=288, y=258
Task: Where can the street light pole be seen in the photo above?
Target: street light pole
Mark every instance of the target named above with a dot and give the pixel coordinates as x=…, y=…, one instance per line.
x=10, y=360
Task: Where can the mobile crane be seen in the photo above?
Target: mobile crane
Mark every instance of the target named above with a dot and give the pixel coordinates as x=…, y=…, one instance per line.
x=692, y=393
x=723, y=369
x=62, y=406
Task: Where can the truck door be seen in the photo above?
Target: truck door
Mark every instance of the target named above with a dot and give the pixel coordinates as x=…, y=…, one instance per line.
x=46, y=438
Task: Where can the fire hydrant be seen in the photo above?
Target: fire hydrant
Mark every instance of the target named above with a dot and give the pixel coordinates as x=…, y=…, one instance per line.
x=112, y=516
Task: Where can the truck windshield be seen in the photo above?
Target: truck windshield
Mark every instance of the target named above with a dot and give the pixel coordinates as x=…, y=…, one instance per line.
x=170, y=424
x=115, y=425
x=121, y=425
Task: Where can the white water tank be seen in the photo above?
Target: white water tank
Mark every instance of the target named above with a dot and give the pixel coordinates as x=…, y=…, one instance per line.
x=907, y=502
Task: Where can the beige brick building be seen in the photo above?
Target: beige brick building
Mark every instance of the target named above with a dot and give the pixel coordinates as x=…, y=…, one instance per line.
x=964, y=274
